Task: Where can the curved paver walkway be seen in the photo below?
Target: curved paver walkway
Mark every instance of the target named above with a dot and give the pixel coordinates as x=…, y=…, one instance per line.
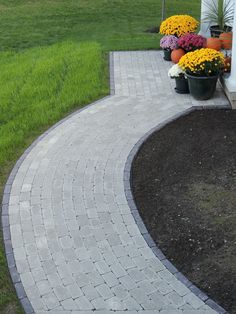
x=76, y=245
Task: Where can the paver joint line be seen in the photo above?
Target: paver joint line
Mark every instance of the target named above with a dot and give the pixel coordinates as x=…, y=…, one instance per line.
x=74, y=239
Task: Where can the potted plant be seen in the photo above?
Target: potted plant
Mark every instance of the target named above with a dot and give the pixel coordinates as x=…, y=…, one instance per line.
x=202, y=68
x=181, y=82
x=220, y=15
x=178, y=25
x=168, y=43
x=191, y=42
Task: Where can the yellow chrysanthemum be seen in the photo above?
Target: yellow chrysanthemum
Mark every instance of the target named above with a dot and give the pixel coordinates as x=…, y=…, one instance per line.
x=179, y=25
x=204, y=62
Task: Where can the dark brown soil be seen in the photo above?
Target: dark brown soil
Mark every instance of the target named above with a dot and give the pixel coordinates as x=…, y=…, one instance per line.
x=184, y=185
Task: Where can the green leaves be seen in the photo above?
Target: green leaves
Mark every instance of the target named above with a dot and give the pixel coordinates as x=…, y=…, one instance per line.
x=219, y=12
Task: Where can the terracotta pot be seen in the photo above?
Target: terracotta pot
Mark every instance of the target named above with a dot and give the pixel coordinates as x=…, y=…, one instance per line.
x=213, y=43
x=176, y=54
x=226, y=40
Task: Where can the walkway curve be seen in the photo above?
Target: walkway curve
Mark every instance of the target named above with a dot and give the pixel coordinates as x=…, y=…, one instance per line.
x=71, y=241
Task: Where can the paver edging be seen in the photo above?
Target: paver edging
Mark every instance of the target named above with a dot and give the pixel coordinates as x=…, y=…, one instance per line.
x=138, y=219
x=15, y=276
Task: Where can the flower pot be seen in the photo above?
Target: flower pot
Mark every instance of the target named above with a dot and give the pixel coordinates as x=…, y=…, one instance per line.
x=216, y=31
x=181, y=85
x=167, y=54
x=202, y=88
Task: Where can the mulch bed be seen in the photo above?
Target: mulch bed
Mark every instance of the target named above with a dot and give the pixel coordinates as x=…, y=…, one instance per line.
x=184, y=185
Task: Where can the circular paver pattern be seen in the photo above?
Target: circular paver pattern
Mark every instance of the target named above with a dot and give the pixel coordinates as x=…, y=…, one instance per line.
x=76, y=246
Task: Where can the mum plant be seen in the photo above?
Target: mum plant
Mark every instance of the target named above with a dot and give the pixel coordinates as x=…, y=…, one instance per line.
x=203, y=62
x=169, y=42
x=191, y=42
x=181, y=82
x=176, y=71
x=178, y=25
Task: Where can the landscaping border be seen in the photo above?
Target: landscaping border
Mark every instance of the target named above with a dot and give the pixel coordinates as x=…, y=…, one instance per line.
x=139, y=221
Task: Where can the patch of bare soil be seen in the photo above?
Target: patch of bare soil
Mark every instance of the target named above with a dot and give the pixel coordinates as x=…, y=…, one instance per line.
x=184, y=185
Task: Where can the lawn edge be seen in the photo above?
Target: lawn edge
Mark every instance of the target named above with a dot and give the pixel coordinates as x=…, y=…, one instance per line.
x=15, y=276
x=139, y=221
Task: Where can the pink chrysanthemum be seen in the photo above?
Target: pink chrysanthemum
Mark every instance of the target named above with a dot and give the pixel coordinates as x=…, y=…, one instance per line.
x=191, y=42
x=169, y=42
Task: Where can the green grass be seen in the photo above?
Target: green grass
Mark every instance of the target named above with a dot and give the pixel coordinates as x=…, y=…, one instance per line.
x=40, y=86
x=53, y=60
x=116, y=24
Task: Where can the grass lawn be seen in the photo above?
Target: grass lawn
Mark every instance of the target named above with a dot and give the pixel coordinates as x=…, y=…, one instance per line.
x=53, y=60
x=116, y=24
